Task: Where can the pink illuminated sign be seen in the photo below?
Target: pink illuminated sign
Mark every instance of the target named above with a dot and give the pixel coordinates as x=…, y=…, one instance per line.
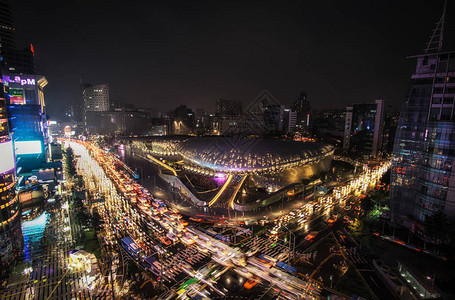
x=18, y=79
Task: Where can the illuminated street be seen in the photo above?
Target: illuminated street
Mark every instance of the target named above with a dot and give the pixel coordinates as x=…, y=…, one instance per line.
x=161, y=242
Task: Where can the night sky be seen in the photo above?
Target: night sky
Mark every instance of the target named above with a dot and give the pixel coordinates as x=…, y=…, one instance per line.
x=165, y=53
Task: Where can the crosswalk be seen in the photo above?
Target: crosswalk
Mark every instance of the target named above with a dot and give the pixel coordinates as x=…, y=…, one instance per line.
x=355, y=256
x=267, y=247
x=50, y=278
x=190, y=255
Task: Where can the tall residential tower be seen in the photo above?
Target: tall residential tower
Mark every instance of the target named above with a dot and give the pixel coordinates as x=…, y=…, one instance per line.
x=364, y=125
x=15, y=60
x=96, y=98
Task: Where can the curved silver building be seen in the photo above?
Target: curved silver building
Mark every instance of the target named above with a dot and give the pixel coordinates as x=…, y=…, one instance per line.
x=222, y=154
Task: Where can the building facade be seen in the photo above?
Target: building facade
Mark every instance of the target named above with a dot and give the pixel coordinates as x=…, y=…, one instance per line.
x=121, y=121
x=6, y=25
x=96, y=98
x=11, y=240
x=303, y=109
x=226, y=108
x=27, y=119
x=289, y=120
x=184, y=120
x=364, y=124
x=423, y=178
x=15, y=60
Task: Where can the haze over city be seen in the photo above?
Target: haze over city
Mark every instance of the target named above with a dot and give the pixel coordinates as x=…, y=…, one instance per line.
x=164, y=54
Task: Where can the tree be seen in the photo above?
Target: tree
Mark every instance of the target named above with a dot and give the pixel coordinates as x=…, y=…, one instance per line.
x=96, y=220
x=437, y=226
x=69, y=162
x=362, y=231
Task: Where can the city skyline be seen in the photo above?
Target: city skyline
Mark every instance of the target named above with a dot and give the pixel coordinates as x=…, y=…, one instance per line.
x=221, y=150
x=166, y=55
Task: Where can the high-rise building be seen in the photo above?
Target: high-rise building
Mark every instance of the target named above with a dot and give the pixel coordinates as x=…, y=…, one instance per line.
x=21, y=61
x=120, y=121
x=6, y=25
x=302, y=107
x=15, y=60
x=289, y=120
x=184, y=120
x=27, y=119
x=11, y=240
x=363, y=129
x=225, y=108
x=96, y=97
x=264, y=115
x=423, y=178
x=74, y=112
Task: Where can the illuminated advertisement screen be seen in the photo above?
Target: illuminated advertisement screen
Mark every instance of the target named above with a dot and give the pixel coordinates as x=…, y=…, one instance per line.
x=24, y=197
x=7, y=156
x=28, y=147
x=16, y=96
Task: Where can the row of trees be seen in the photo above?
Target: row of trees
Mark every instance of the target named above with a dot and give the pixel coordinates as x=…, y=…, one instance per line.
x=372, y=207
x=68, y=158
x=441, y=229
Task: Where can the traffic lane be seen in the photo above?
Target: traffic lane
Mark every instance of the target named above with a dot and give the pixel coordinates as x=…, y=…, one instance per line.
x=380, y=290
x=319, y=215
x=316, y=222
x=235, y=285
x=371, y=277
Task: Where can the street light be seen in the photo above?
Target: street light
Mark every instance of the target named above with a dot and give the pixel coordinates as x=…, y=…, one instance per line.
x=291, y=244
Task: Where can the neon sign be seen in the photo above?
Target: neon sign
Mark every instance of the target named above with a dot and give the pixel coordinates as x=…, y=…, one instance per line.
x=16, y=96
x=21, y=81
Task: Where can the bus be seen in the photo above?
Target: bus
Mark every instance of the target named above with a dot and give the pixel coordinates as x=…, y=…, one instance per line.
x=132, y=248
x=151, y=264
x=186, y=284
x=286, y=267
x=268, y=258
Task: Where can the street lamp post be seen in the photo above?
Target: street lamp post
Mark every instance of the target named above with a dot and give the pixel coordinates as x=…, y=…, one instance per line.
x=112, y=279
x=291, y=244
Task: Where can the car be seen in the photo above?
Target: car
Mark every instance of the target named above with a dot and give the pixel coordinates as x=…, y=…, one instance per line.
x=311, y=236
x=165, y=241
x=251, y=283
x=332, y=220
x=172, y=236
x=348, y=220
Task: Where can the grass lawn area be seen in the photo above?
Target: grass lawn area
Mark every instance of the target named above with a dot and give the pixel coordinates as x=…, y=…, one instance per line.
x=350, y=283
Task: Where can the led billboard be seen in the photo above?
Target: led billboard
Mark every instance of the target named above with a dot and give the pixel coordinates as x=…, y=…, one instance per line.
x=16, y=96
x=7, y=156
x=28, y=147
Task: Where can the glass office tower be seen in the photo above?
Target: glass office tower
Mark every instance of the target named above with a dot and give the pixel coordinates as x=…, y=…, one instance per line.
x=423, y=181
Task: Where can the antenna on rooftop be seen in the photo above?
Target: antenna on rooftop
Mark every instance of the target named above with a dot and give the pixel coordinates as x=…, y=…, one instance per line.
x=435, y=43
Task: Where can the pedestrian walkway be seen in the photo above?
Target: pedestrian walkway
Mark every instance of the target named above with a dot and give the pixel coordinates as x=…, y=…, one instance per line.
x=267, y=247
